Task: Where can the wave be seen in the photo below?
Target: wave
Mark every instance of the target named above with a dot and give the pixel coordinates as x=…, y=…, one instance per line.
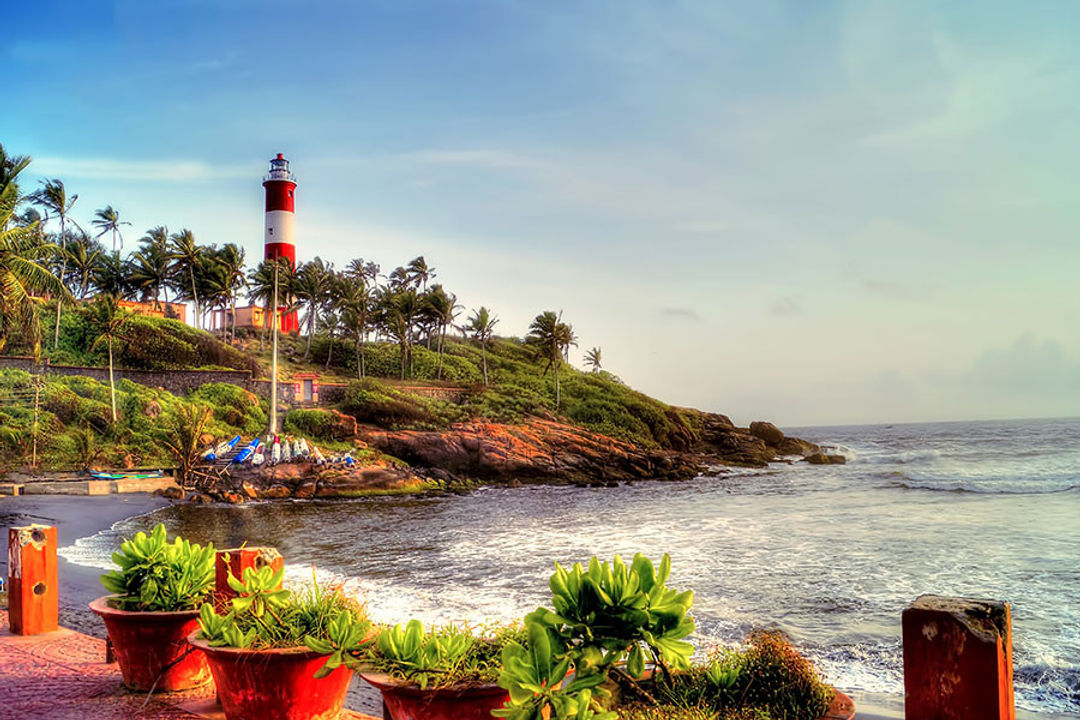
x=837, y=449
x=905, y=483
x=903, y=458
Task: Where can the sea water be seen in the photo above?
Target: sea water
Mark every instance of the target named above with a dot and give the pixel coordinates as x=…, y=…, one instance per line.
x=830, y=554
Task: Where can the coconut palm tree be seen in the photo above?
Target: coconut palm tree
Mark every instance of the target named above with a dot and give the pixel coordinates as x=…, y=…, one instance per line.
x=53, y=197
x=398, y=311
x=111, y=321
x=592, y=359
x=354, y=301
x=10, y=167
x=108, y=220
x=151, y=267
x=231, y=262
x=24, y=275
x=84, y=255
x=312, y=287
x=442, y=309
x=261, y=288
x=481, y=326
x=552, y=339
x=418, y=272
x=111, y=276
x=187, y=258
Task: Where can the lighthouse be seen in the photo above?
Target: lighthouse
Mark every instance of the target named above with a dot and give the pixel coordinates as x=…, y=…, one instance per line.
x=280, y=236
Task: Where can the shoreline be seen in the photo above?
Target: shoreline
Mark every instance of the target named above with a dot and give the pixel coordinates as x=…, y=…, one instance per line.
x=83, y=516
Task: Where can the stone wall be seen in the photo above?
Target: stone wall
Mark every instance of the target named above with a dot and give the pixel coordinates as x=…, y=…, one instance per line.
x=178, y=382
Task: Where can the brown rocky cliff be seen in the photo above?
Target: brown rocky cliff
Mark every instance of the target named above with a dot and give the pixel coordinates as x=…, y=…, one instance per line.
x=535, y=451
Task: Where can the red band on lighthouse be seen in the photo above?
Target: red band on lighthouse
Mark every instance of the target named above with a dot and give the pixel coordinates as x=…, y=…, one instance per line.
x=280, y=233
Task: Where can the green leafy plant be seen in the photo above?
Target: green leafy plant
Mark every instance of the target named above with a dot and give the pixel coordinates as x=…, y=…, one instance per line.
x=263, y=615
x=605, y=615
x=156, y=575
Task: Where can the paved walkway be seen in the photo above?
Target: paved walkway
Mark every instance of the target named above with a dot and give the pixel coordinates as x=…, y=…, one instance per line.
x=62, y=676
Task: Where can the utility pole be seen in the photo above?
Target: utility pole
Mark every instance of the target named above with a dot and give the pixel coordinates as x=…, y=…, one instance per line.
x=273, y=361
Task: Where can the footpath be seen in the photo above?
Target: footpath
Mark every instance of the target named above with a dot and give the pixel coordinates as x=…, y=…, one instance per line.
x=62, y=675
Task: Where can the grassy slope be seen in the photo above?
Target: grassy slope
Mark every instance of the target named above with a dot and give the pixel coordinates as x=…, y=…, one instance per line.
x=76, y=421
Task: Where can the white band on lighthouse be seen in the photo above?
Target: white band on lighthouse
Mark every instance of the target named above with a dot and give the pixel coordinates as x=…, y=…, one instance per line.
x=280, y=227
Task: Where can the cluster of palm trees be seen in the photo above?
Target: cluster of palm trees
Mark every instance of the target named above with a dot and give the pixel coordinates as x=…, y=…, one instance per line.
x=405, y=306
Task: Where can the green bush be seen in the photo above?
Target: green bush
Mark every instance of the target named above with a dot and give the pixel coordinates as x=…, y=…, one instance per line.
x=378, y=403
x=319, y=424
x=234, y=406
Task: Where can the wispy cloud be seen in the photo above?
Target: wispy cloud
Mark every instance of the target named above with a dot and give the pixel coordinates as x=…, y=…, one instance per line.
x=490, y=159
x=786, y=306
x=681, y=312
x=888, y=289
x=137, y=170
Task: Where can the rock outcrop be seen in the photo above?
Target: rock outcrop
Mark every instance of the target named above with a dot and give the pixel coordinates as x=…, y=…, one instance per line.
x=721, y=442
x=820, y=458
x=535, y=451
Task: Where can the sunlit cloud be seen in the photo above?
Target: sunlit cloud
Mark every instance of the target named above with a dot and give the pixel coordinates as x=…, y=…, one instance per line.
x=137, y=170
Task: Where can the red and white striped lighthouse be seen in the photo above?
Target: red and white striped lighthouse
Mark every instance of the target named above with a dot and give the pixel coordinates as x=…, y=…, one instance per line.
x=280, y=238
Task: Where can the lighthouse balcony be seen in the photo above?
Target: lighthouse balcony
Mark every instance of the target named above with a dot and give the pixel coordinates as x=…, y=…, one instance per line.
x=279, y=175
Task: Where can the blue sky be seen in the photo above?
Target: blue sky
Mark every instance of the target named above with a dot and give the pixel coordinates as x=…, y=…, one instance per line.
x=823, y=212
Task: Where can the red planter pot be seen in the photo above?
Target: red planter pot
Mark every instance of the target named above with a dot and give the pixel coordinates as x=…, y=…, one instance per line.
x=152, y=647
x=274, y=684
x=409, y=702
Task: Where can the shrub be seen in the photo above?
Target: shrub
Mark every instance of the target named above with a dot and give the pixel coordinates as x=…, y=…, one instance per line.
x=234, y=406
x=311, y=423
x=379, y=403
x=156, y=575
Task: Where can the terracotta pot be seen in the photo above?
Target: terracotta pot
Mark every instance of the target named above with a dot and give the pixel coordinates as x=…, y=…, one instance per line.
x=275, y=684
x=152, y=648
x=462, y=702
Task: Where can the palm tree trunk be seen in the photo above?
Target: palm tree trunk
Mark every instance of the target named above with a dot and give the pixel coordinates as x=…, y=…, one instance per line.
x=310, y=332
x=442, y=337
x=112, y=383
x=329, y=351
x=359, y=357
x=63, y=270
x=558, y=398
x=232, y=324
x=194, y=294
x=483, y=355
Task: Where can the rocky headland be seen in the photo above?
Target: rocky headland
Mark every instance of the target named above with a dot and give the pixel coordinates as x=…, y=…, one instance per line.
x=538, y=450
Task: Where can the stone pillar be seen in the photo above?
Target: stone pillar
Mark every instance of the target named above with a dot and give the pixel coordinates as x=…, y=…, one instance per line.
x=234, y=561
x=958, y=660
x=33, y=590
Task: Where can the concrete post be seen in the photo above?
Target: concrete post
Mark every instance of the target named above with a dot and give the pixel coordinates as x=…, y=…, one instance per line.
x=958, y=660
x=235, y=560
x=33, y=590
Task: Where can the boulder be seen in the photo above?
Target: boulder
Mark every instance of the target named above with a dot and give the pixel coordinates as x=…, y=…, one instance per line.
x=796, y=446
x=767, y=432
x=821, y=458
x=233, y=498
x=172, y=493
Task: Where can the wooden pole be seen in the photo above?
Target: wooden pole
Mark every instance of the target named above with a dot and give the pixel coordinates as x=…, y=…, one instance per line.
x=33, y=590
x=958, y=659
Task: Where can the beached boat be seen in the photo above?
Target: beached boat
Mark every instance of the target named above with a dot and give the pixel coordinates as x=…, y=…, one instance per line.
x=220, y=449
x=245, y=454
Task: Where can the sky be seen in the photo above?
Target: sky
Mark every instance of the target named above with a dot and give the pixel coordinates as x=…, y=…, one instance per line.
x=814, y=213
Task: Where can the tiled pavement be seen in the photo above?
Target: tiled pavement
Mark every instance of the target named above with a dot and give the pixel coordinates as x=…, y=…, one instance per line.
x=62, y=676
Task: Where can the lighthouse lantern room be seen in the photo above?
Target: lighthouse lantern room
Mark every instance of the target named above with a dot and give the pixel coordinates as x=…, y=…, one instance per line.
x=280, y=236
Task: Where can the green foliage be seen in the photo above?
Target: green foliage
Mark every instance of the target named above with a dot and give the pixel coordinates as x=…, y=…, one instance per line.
x=442, y=657
x=263, y=615
x=311, y=423
x=603, y=615
x=380, y=403
x=234, y=406
x=678, y=712
x=156, y=575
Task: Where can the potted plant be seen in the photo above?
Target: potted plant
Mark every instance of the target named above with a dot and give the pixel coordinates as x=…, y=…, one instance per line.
x=157, y=591
x=277, y=654
x=447, y=673
x=613, y=648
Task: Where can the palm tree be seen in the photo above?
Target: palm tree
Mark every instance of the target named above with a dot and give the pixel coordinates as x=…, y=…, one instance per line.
x=398, y=311
x=10, y=167
x=418, y=272
x=354, y=300
x=182, y=437
x=111, y=321
x=592, y=359
x=84, y=254
x=442, y=308
x=187, y=257
x=231, y=260
x=54, y=198
x=111, y=275
x=261, y=288
x=552, y=339
x=312, y=286
x=151, y=265
x=481, y=326
x=109, y=221
x=23, y=276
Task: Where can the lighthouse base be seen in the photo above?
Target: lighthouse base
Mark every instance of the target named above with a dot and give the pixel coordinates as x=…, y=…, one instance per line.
x=289, y=322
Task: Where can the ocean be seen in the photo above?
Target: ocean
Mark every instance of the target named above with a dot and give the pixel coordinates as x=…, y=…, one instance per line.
x=830, y=554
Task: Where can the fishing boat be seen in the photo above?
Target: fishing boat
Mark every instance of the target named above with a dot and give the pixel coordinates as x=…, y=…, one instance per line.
x=275, y=451
x=220, y=449
x=246, y=453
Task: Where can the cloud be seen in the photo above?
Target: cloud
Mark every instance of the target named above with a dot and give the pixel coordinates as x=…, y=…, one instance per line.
x=886, y=288
x=786, y=306
x=137, y=170
x=681, y=312
x=488, y=159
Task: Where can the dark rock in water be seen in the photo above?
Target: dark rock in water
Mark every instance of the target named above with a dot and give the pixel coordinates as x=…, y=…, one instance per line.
x=797, y=446
x=823, y=459
x=767, y=432
x=173, y=493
